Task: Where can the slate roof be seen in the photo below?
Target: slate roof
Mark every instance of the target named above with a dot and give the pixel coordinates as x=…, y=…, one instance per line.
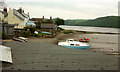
x=48, y=25
x=21, y=16
x=16, y=13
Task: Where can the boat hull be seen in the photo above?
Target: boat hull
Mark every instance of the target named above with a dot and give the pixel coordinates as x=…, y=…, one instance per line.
x=80, y=47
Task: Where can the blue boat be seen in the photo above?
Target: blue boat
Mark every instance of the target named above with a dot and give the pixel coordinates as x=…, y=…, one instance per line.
x=71, y=43
x=46, y=32
x=80, y=47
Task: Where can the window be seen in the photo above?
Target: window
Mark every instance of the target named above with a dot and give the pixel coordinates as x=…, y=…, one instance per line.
x=71, y=44
x=77, y=45
x=70, y=40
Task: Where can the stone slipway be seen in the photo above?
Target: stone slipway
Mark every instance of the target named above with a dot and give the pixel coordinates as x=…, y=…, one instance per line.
x=45, y=56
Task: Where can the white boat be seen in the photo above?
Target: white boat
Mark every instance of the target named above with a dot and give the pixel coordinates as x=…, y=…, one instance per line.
x=5, y=54
x=71, y=43
x=21, y=39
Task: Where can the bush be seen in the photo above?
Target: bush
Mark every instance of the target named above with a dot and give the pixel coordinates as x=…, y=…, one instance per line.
x=5, y=36
x=25, y=33
x=67, y=31
x=30, y=28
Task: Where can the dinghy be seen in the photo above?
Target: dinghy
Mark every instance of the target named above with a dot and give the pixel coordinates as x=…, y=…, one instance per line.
x=21, y=39
x=84, y=40
x=71, y=43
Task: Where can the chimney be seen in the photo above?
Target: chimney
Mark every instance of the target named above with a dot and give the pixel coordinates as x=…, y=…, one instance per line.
x=5, y=9
x=28, y=14
x=50, y=17
x=43, y=17
x=23, y=11
x=20, y=10
x=10, y=9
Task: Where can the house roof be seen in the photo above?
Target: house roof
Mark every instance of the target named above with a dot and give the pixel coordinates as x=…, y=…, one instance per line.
x=16, y=13
x=48, y=25
x=25, y=15
x=21, y=15
x=35, y=19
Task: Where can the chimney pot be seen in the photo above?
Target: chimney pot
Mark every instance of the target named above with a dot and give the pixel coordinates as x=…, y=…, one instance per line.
x=43, y=17
x=20, y=10
x=50, y=17
x=5, y=9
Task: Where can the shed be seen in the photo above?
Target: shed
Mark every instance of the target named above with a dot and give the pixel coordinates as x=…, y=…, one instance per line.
x=49, y=27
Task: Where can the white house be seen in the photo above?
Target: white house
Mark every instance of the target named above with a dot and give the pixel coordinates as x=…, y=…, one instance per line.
x=14, y=16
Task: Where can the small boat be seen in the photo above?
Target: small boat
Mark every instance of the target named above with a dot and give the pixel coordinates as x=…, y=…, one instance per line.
x=71, y=43
x=46, y=32
x=21, y=39
x=84, y=40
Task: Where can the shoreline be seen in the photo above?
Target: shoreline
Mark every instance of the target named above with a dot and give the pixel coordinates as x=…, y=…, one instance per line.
x=91, y=29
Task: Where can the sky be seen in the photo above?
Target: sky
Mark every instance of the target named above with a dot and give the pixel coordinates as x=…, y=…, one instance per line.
x=67, y=9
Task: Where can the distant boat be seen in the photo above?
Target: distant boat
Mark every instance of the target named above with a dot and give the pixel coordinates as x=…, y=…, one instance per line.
x=71, y=43
x=84, y=40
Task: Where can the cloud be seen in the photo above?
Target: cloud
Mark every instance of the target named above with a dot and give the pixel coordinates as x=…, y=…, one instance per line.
x=35, y=0
x=68, y=8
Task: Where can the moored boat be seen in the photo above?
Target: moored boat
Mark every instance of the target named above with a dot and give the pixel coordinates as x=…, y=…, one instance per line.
x=84, y=40
x=21, y=39
x=71, y=43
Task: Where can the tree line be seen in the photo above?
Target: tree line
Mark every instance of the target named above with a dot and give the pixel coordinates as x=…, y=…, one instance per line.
x=108, y=21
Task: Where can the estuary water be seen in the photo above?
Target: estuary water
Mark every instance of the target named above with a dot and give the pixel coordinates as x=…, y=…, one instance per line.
x=91, y=29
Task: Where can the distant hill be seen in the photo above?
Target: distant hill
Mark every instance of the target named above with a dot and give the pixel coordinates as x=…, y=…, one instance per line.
x=108, y=21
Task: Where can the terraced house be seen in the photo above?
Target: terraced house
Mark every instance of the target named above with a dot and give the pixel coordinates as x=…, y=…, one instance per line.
x=14, y=16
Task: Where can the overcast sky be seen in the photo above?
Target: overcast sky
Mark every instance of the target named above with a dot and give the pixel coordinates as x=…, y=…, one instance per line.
x=67, y=9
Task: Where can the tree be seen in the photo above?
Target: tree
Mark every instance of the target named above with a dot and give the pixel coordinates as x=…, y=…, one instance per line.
x=38, y=24
x=59, y=21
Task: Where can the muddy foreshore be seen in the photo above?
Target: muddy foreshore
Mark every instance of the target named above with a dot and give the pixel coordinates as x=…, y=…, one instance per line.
x=100, y=42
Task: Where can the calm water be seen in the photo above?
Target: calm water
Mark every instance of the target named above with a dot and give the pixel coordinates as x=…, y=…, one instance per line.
x=90, y=29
